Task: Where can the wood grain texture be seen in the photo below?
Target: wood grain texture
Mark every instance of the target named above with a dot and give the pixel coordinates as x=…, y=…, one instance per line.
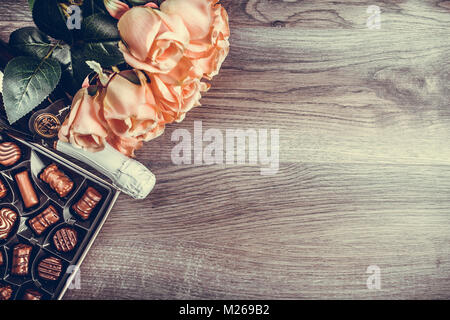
x=364, y=172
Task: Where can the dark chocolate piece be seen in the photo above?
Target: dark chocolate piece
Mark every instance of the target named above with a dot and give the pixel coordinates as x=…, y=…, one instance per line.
x=7, y=219
x=21, y=259
x=43, y=220
x=9, y=153
x=26, y=189
x=5, y=292
x=3, y=190
x=57, y=180
x=50, y=268
x=1, y=259
x=87, y=203
x=65, y=239
x=31, y=294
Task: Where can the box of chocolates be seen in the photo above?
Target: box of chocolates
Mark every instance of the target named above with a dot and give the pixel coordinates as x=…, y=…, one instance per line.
x=51, y=210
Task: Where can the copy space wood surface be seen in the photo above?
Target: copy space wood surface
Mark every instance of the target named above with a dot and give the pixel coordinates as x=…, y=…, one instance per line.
x=364, y=172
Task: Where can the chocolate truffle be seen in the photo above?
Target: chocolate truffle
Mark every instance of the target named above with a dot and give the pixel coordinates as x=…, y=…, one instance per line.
x=50, y=268
x=21, y=259
x=26, y=189
x=7, y=219
x=57, y=180
x=65, y=239
x=3, y=190
x=1, y=259
x=31, y=294
x=5, y=292
x=43, y=220
x=87, y=203
x=9, y=153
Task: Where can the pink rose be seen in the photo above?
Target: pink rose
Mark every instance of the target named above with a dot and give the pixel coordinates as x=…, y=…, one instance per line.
x=127, y=146
x=85, y=126
x=178, y=91
x=152, y=40
x=130, y=109
x=207, y=23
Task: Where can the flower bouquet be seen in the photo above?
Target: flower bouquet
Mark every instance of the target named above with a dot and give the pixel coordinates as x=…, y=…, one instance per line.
x=140, y=65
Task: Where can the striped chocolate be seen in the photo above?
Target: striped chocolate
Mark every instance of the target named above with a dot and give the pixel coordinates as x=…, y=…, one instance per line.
x=21, y=259
x=65, y=239
x=50, y=268
x=44, y=220
x=9, y=153
x=3, y=190
x=7, y=219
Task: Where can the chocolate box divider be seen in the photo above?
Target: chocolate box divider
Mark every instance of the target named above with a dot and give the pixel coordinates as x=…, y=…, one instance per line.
x=75, y=192
x=8, y=180
x=4, y=267
x=18, y=201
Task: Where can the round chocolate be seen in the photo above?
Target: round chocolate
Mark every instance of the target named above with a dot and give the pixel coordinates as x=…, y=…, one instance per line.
x=5, y=292
x=50, y=268
x=9, y=153
x=7, y=219
x=65, y=239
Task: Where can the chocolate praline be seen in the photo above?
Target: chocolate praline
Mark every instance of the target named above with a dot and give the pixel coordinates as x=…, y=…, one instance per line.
x=7, y=220
x=21, y=259
x=44, y=220
x=31, y=294
x=5, y=292
x=65, y=239
x=50, y=268
x=9, y=153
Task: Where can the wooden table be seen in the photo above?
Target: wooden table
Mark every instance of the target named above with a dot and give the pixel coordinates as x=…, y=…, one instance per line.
x=364, y=174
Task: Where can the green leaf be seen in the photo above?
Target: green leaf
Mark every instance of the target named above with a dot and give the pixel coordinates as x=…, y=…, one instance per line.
x=99, y=27
x=26, y=83
x=31, y=4
x=100, y=38
x=49, y=18
x=31, y=42
x=105, y=53
x=91, y=7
